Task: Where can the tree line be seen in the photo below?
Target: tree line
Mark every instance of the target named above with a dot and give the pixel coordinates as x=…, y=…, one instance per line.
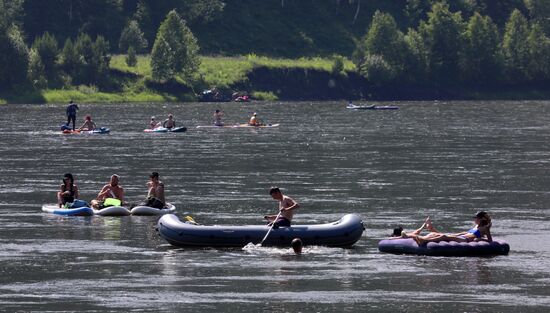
x=445, y=49
x=85, y=60
x=69, y=42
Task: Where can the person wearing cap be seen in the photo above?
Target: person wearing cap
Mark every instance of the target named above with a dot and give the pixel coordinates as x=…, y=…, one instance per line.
x=88, y=124
x=111, y=194
x=155, y=195
x=254, y=121
x=482, y=228
x=169, y=122
x=154, y=124
x=68, y=191
x=71, y=113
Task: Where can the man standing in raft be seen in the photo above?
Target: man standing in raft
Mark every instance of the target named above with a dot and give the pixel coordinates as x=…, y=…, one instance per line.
x=287, y=206
x=71, y=113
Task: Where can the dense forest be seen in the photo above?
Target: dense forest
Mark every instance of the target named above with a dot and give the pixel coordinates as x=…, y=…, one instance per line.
x=413, y=43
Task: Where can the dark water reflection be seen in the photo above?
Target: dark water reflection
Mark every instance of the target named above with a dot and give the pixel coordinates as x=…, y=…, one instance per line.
x=444, y=160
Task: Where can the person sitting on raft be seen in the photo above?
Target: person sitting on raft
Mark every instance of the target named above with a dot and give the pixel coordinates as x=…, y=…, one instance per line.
x=218, y=118
x=155, y=195
x=88, y=124
x=109, y=194
x=169, y=122
x=254, y=121
x=68, y=192
x=154, y=124
x=287, y=206
x=482, y=228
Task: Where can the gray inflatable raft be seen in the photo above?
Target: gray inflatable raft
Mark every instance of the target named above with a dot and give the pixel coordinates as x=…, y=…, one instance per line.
x=342, y=233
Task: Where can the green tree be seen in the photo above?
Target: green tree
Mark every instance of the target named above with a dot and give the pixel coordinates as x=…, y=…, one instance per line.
x=539, y=53
x=46, y=48
x=443, y=41
x=14, y=57
x=515, y=47
x=99, y=64
x=14, y=53
x=69, y=58
x=539, y=10
x=416, y=64
x=132, y=36
x=131, y=58
x=37, y=71
x=387, y=43
x=175, y=50
x=481, y=55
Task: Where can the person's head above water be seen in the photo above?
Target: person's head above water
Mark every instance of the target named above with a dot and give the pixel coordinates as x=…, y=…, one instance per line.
x=397, y=231
x=297, y=245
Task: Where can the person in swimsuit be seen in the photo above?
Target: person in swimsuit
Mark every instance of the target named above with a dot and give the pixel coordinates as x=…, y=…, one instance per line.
x=154, y=124
x=88, y=124
x=482, y=228
x=68, y=191
x=155, y=195
x=111, y=190
x=218, y=118
x=254, y=121
x=297, y=245
x=169, y=122
x=71, y=113
x=287, y=207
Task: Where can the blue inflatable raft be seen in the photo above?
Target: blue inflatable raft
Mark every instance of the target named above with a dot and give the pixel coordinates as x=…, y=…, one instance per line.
x=444, y=248
x=342, y=233
x=55, y=209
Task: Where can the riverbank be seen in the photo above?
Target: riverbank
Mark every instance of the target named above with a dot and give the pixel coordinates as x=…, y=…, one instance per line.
x=263, y=79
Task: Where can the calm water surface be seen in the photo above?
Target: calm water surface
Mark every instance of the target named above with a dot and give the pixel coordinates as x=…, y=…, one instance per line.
x=445, y=160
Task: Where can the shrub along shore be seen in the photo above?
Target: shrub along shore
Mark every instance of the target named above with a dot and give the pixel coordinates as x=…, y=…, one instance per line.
x=313, y=79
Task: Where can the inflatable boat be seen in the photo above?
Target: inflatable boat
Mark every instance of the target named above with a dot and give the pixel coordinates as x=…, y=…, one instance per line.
x=113, y=211
x=147, y=210
x=239, y=126
x=55, y=209
x=342, y=233
x=444, y=248
x=166, y=130
x=101, y=130
x=372, y=107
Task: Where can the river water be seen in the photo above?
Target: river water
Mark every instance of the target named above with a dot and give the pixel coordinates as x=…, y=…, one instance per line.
x=445, y=160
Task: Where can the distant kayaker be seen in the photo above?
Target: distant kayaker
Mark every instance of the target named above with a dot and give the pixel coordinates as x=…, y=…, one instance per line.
x=68, y=191
x=155, y=195
x=254, y=121
x=110, y=191
x=287, y=206
x=154, y=124
x=218, y=118
x=169, y=122
x=71, y=113
x=88, y=124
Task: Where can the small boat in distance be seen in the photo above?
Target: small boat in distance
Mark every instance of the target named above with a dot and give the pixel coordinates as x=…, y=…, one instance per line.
x=352, y=106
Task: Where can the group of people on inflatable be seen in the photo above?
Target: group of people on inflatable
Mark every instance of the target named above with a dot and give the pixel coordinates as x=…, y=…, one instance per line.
x=112, y=194
x=480, y=231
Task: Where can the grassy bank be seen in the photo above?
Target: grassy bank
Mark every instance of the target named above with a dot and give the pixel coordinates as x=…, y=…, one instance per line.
x=135, y=84
x=263, y=78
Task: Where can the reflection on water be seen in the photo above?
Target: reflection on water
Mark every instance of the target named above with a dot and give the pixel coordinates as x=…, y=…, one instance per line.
x=443, y=160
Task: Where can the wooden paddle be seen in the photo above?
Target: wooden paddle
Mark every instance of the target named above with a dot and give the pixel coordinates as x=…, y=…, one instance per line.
x=269, y=231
